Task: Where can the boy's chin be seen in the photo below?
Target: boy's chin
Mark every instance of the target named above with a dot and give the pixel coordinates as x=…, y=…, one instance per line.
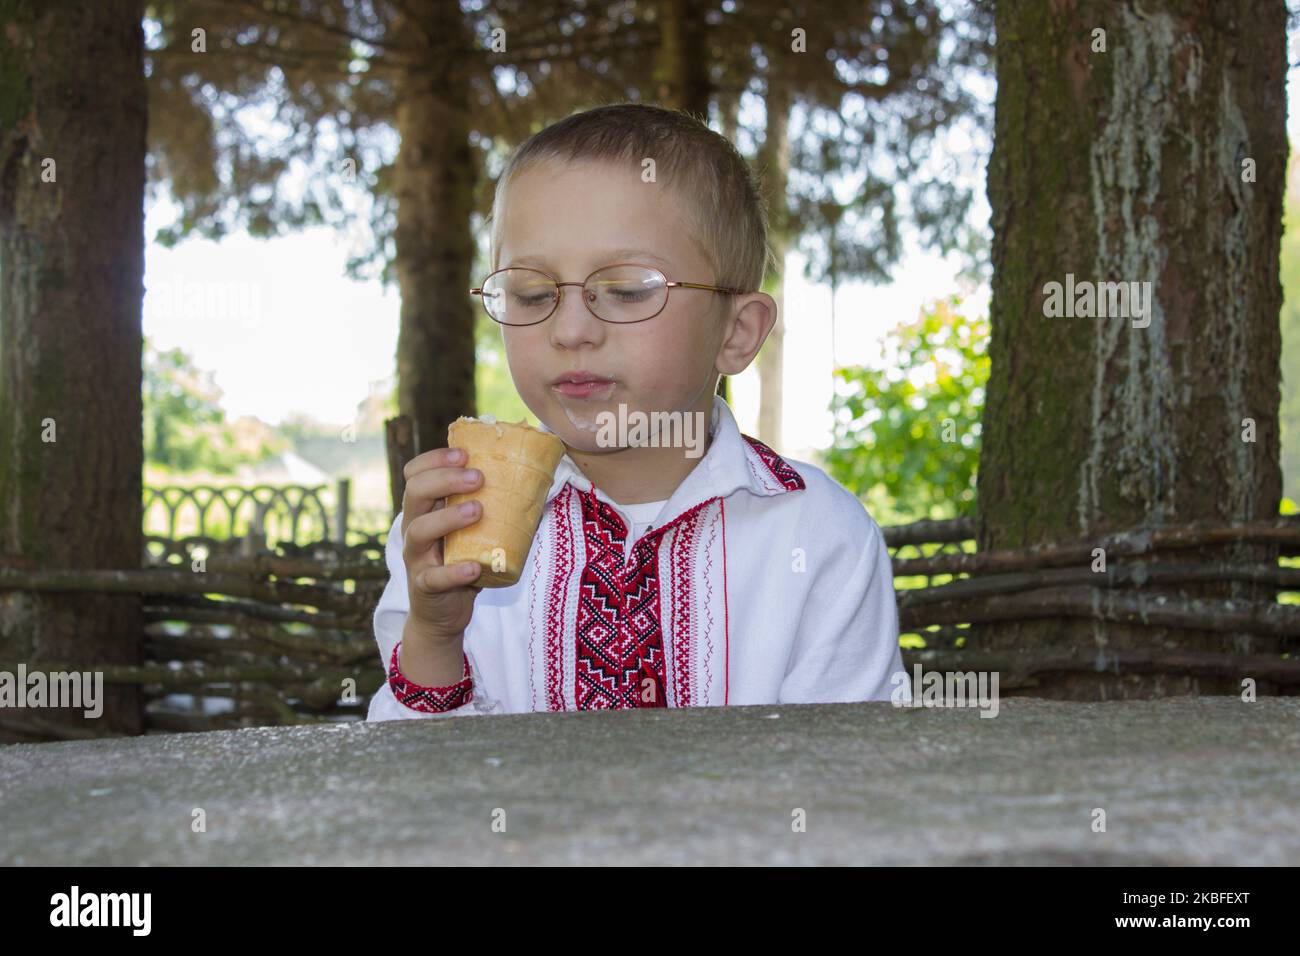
x=581, y=426
x=582, y=441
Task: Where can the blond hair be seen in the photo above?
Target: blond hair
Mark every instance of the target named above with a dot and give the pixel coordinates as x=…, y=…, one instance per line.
x=717, y=190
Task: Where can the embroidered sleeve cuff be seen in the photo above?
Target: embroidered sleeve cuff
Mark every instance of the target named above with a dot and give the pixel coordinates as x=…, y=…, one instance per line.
x=429, y=699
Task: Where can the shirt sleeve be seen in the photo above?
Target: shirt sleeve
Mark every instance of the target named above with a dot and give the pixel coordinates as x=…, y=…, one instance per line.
x=399, y=698
x=846, y=648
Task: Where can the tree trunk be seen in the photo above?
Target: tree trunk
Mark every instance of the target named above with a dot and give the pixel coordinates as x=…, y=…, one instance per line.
x=72, y=172
x=1127, y=166
x=774, y=168
x=682, y=67
x=729, y=114
x=681, y=74
x=434, y=181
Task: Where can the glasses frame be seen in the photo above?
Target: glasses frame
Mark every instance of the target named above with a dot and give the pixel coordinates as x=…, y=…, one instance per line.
x=669, y=285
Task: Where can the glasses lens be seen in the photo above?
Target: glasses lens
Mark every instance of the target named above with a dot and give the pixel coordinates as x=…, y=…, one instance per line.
x=519, y=296
x=626, y=293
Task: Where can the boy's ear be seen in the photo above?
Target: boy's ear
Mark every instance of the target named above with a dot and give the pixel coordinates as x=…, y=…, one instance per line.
x=752, y=320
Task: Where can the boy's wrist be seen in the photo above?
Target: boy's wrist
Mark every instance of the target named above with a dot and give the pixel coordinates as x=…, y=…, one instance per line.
x=428, y=658
x=424, y=634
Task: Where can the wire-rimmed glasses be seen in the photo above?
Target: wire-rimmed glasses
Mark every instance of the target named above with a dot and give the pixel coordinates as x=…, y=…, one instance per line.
x=621, y=293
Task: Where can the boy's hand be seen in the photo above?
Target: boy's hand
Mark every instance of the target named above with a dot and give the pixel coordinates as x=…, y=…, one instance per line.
x=442, y=598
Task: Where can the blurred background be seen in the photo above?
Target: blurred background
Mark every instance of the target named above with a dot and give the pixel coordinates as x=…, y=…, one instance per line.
x=274, y=294
x=273, y=305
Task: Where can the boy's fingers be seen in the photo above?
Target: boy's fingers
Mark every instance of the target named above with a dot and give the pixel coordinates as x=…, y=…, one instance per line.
x=439, y=578
x=436, y=458
x=427, y=531
x=415, y=499
x=426, y=491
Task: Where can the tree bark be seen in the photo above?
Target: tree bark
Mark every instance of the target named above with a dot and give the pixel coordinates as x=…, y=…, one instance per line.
x=72, y=171
x=681, y=74
x=682, y=66
x=729, y=117
x=774, y=170
x=434, y=181
x=1127, y=166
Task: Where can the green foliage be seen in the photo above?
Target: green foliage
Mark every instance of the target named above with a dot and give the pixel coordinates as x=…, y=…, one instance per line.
x=908, y=435
x=185, y=428
x=494, y=387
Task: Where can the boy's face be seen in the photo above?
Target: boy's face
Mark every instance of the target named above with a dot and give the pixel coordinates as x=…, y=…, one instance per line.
x=569, y=221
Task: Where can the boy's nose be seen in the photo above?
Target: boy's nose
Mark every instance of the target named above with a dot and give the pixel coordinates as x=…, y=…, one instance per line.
x=572, y=323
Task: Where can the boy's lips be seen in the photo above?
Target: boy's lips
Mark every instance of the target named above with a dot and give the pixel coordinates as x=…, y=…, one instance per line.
x=583, y=384
x=596, y=388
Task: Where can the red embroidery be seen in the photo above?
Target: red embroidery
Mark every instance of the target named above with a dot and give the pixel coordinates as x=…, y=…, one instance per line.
x=564, y=562
x=707, y=603
x=790, y=479
x=429, y=700
x=679, y=555
x=618, y=641
x=622, y=654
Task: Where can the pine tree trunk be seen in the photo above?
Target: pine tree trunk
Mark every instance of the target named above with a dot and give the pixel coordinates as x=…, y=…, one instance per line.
x=774, y=168
x=682, y=66
x=72, y=173
x=729, y=113
x=1127, y=166
x=681, y=74
x=434, y=182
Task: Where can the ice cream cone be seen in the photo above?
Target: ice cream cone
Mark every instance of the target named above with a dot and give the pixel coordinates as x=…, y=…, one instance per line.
x=518, y=464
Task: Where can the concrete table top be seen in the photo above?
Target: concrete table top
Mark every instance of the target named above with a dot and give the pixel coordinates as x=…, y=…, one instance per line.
x=1207, y=780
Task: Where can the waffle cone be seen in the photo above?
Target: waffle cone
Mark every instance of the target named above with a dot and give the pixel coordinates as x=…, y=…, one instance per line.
x=518, y=464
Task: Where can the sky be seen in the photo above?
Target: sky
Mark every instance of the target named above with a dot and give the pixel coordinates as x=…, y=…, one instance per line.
x=284, y=331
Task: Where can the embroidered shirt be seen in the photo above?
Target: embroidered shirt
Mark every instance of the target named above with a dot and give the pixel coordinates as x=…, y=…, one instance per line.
x=760, y=580
x=640, y=519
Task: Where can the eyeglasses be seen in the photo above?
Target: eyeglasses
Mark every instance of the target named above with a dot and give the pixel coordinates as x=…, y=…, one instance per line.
x=620, y=294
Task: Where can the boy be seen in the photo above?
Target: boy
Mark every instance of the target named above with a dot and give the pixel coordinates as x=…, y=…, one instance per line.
x=659, y=576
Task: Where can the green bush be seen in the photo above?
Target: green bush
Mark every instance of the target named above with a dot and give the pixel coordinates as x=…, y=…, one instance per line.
x=907, y=436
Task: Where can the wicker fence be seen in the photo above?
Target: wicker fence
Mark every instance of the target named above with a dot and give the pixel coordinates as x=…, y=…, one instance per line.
x=944, y=587
x=244, y=632
x=240, y=635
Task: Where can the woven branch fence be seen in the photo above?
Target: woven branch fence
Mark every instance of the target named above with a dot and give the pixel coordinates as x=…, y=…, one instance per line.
x=283, y=636
x=238, y=634
x=944, y=586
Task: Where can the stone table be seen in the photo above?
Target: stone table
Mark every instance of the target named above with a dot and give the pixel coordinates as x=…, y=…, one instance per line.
x=1182, y=781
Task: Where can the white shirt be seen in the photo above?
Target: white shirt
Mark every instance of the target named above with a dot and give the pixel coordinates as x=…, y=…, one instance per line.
x=758, y=581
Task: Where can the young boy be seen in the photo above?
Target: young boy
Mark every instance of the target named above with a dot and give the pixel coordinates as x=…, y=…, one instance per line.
x=659, y=576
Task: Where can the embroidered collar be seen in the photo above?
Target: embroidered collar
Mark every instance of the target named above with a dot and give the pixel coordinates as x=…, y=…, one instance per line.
x=733, y=462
